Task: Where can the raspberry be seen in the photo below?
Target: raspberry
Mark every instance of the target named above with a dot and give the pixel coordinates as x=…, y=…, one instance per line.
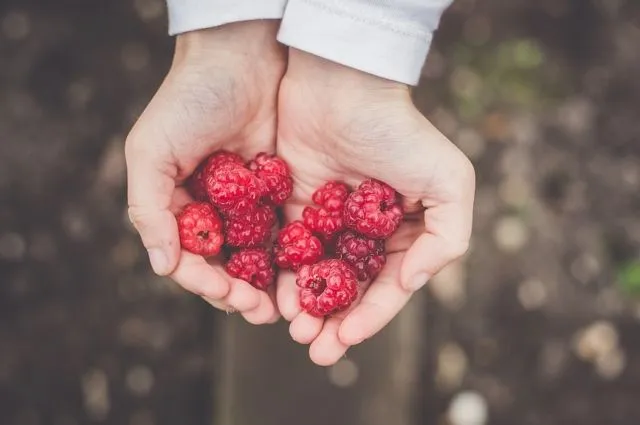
x=197, y=182
x=297, y=246
x=328, y=219
x=364, y=254
x=373, y=210
x=250, y=230
x=276, y=175
x=326, y=287
x=253, y=265
x=200, y=229
x=234, y=189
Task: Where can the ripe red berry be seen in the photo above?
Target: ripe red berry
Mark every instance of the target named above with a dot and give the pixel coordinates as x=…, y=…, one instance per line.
x=253, y=265
x=296, y=246
x=276, y=175
x=327, y=220
x=373, y=210
x=364, y=254
x=252, y=229
x=326, y=287
x=200, y=229
x=197, y=183
x=234, y=189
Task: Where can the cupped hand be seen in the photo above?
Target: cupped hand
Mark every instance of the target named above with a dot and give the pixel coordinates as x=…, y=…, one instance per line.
x=220, y=93
x=337, y=123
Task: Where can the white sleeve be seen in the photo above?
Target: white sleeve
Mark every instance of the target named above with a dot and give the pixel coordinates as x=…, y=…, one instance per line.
x=190, y=15
x=386, y=38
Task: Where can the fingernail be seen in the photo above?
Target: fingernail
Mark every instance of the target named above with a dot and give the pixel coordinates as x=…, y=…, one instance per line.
x=357, y=340
x=159, y=261
x=419, y=281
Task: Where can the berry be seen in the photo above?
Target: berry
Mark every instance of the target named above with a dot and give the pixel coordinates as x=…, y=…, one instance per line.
x=253, y=265
x=326, y=287
x=276, y=175
x=364, y=254
x=250, y=230
x=200, y=229
x=197, y=183
x=327, y=220
x=373, y=210
x=297, y=246
x=234, y=189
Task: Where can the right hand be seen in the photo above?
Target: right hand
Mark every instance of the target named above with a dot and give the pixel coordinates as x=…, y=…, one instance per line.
x=220, y=93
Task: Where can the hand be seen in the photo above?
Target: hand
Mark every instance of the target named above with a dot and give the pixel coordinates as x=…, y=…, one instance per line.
x=220, y=93
x=337, y=123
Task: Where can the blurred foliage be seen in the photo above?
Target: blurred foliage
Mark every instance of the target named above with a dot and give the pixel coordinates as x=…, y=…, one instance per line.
x=629, y=278
x=513, y=73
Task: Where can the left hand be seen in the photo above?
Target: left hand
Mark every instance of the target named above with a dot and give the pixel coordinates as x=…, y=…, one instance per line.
x=337, y=123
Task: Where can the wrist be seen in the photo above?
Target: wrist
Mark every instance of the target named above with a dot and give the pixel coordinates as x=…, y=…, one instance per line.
x=309, y=67
x=232, y=44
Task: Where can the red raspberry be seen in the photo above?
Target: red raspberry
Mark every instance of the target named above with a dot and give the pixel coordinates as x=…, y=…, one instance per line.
x=328, y=219
x=234, y=189
x=253, y=265
x=250, y=230
x=197, y=183
x=364, y=254
x=276, y=175
x=200, y=229
x=326, y=287
x=373, y=210
x=296, y=246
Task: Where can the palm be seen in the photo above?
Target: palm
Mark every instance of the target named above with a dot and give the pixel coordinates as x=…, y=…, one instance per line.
x=203, y=107
x=349, y=139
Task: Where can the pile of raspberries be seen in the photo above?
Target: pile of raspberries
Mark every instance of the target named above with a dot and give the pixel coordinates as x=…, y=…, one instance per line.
x=337, y=243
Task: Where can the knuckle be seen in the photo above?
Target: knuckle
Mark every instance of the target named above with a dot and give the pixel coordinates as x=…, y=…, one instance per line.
x=458, y=248
x=467, y=170
x=139, y=218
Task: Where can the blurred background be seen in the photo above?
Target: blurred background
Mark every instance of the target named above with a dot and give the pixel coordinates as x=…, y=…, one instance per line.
x=539, y=325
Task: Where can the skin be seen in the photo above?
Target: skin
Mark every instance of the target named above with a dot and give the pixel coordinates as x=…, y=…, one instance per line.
x=336, y=123
x=220, y=93
x=227, y=89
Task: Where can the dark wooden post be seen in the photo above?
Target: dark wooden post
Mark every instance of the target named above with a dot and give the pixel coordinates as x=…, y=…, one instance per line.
x=265, y=378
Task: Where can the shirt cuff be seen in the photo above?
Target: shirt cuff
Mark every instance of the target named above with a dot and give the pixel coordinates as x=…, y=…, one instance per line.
x=191, y=15
x=363, y=34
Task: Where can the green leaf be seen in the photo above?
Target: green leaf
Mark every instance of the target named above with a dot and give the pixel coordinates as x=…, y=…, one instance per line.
x=629, y=277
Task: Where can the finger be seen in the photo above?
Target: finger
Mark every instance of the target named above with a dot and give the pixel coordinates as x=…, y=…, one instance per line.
x=150, y=189
x=305, y=328
x=448, y=228
x=265, y=311
x=378, y=306
x=217, y=304
x=195, y=275
x=327, y=348
x=287, y=295
x=242, y=296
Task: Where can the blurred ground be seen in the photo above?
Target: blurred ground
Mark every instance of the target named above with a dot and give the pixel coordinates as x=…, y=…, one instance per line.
x=540, y=320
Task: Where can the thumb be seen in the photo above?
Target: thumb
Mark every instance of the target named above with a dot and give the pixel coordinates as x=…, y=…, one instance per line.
x=151, y=184
x=441, y=243
x=446, y=234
